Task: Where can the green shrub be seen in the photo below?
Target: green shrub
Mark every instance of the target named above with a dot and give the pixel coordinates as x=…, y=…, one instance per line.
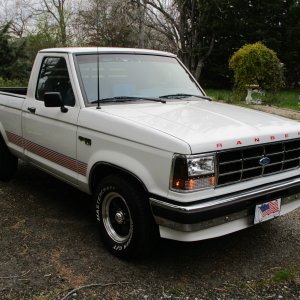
x=255, y=64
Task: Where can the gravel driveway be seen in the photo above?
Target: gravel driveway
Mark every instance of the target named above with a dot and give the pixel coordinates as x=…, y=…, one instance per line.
x=49, y=246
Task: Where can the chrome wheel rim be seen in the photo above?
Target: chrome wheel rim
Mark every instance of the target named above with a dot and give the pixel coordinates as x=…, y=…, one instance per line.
x=117, y=218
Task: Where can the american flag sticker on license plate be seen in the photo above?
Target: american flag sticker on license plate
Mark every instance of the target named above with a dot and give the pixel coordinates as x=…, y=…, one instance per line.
x=267, y=211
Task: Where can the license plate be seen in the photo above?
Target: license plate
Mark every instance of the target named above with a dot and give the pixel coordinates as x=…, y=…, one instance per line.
x=267, y=211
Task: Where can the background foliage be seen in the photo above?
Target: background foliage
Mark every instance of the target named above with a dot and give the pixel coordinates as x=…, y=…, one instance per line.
x=14, y=62
x=204, y=34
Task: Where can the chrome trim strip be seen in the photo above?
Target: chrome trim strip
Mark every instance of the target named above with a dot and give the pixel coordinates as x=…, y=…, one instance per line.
x=233, y=161
x=204, y=224
x=256, y=192
x=243, y=214
x=260, y=167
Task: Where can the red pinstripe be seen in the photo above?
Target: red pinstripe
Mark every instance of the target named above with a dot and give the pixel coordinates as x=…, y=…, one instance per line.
x=15, y=139
x=58, y=158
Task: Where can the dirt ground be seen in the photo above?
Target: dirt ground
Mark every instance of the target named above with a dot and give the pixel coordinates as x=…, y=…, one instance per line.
x=50, y=245
x=288, y=113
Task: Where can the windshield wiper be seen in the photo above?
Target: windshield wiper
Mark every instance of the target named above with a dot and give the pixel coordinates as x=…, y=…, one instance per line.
x=182, y=95
x=128, y=98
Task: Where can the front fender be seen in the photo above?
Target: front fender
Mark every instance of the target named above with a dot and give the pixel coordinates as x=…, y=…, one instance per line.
x=151, y=168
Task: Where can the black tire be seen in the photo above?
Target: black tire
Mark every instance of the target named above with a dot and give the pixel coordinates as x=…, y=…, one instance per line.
x=8, y=162
x=124, y=217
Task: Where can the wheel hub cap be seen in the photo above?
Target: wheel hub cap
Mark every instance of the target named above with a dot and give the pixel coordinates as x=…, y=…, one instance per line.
x=119, y=217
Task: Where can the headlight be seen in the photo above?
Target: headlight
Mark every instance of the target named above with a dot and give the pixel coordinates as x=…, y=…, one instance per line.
x=201, y=165
x=192, y=172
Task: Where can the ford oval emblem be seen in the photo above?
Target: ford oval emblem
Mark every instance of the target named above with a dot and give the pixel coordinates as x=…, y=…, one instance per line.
x=264, y=161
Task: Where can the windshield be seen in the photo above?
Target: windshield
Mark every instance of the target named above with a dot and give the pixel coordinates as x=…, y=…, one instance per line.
x=133, y=75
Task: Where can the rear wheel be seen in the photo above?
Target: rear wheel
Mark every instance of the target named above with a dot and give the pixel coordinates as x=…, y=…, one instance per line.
x=8, y=162
x=124, y=217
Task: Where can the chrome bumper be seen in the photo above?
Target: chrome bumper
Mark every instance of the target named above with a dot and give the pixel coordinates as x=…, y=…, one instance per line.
x=210, y=212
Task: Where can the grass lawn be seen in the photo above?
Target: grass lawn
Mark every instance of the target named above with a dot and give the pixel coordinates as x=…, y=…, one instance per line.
x=284, y=98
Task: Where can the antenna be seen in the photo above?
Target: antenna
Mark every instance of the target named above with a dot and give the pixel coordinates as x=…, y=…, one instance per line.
x=98, y=69
x=98, y=83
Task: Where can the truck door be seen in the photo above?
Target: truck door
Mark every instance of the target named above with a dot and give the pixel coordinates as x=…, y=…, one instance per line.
x=49, y=133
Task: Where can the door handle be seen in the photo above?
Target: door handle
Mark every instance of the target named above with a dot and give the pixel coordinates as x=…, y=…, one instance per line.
x=31, y=109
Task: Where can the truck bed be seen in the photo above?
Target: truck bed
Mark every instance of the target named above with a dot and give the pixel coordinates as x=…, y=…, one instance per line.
x=14, y=90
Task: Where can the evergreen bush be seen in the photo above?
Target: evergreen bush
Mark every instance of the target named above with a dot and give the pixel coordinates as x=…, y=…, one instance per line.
x=255, y=64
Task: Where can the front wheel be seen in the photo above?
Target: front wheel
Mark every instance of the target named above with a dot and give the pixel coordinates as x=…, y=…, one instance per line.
x=124, y=217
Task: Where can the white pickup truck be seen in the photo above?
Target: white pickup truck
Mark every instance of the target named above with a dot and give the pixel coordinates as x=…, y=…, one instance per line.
x=134, y=129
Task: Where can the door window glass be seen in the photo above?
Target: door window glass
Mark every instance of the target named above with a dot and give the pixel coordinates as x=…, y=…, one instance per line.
x=54, y=77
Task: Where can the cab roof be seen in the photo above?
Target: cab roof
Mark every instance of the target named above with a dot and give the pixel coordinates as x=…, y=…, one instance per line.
x=92, y=50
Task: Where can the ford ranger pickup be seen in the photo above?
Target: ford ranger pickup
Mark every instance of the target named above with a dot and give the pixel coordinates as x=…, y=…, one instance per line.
x=134, y=129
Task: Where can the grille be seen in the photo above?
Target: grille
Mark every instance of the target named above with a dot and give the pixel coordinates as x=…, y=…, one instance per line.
x=246, y=163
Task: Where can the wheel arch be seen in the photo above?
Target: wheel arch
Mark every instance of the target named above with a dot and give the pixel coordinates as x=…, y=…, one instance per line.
x=103, y=169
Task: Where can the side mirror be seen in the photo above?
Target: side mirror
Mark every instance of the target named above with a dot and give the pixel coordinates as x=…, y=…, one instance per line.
x=54, y=99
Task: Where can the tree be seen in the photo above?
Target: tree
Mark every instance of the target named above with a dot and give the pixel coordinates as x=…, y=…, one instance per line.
x=57, y=9
x=17, y=14
x=44, y=36
x=256, y=64
x=275, y=23
x=290, y=44
x=60, y=12
x=13, y=59
x=189, y=25
x=105, y=23
x=140, y=17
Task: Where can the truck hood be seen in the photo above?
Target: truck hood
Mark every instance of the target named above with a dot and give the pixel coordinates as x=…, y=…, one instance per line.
x=209, y=126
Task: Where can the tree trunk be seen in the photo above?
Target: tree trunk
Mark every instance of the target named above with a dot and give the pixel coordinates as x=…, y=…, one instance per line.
x=198, y=70
x=141, y=23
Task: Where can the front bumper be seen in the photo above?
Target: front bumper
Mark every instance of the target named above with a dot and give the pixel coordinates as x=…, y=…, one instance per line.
x=214, y=212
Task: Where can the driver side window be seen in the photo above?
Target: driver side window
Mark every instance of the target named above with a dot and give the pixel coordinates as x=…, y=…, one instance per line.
x=54, y=77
